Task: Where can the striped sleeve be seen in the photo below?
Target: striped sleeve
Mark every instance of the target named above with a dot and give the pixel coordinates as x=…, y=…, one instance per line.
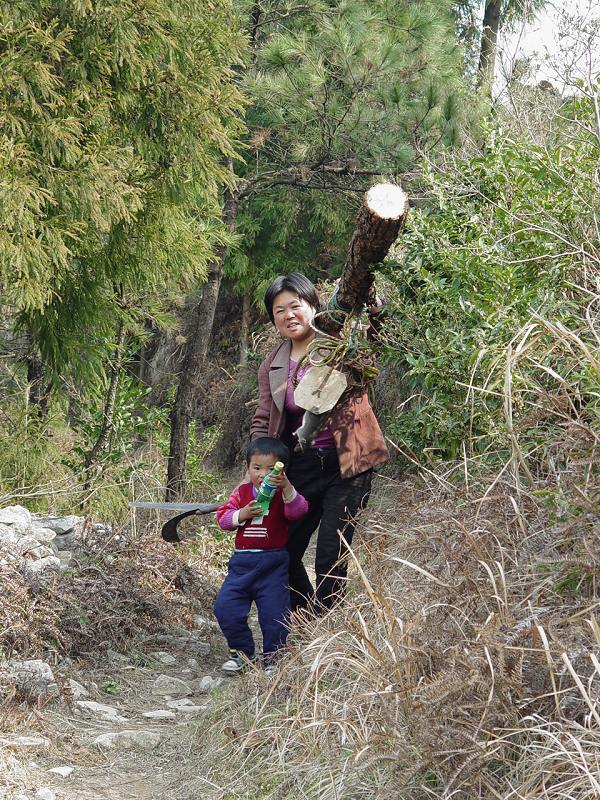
x=226, y=512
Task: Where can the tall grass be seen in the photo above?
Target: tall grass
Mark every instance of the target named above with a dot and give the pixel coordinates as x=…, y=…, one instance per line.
x=465, y=662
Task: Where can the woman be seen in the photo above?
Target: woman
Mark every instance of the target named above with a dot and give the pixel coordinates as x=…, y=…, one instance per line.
x=335, y=473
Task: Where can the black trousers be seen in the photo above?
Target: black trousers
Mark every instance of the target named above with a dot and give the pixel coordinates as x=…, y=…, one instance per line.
x=334, y=503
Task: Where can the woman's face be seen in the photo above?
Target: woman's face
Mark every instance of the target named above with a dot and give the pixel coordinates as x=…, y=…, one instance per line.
x=293, y=316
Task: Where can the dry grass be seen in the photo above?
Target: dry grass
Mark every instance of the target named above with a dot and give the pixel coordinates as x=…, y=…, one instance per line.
x=466, y=660
x=114, y=590
x=457, y=660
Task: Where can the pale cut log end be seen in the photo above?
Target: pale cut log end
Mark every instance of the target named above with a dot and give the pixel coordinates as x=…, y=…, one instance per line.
x=387, y=201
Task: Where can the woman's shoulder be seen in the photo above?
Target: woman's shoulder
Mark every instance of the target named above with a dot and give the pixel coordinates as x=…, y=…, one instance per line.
x=278, y=356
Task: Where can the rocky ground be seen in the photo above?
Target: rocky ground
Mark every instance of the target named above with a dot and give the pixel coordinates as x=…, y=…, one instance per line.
x=111, y=724
x=119, y=728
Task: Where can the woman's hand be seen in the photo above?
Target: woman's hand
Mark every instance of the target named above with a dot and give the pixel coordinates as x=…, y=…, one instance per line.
x=253, y=509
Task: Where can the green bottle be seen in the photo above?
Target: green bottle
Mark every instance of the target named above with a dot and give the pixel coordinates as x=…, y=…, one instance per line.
x=266, y=490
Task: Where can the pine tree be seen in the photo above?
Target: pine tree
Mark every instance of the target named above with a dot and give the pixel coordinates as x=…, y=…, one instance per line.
x=480, y=33
x=340, y=92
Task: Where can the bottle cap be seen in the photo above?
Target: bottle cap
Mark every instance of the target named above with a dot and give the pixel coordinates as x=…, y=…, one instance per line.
x=278, y=465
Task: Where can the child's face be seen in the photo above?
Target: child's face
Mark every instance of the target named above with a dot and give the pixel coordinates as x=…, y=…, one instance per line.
x=259, y=466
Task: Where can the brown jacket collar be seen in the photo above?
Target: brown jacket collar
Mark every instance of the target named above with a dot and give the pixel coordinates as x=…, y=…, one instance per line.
x=278, y=374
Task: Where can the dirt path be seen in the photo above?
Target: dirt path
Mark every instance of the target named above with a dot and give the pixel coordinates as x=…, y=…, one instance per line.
x=120, y=732
x=144, y=758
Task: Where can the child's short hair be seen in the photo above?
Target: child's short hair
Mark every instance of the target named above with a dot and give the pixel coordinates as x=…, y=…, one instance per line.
x=268, y=446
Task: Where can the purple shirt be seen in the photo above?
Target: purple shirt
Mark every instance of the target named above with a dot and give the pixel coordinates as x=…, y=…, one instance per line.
x=294, y=413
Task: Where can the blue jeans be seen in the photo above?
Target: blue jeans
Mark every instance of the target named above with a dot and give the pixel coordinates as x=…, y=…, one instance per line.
x=260, y=577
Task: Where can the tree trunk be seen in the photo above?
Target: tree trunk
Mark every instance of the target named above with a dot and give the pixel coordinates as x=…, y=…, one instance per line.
x=198, y=339
x=93, y=455
x=379, y=221
x=254, y=25
x=245, y=327
x=489, y=41
x=38, y=392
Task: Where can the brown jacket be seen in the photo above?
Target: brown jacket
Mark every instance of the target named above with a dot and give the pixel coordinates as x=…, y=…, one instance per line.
x=358, y=438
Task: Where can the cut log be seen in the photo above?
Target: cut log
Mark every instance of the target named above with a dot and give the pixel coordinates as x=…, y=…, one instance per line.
x=380, y=220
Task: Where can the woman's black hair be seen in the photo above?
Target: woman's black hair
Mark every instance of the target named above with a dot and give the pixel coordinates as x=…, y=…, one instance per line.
x=294, y=282
x=268, y=446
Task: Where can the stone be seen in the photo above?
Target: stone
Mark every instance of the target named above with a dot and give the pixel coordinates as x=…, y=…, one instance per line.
x=65, y=557
x=29, y=547
x=26, y=741
x=144, y=740
x=159, y=714
x=66, y=542
x=20, y=797
x=8, y=536
x=61, y=525
x=63, y=772
x=77, y=689
x=179, y=703
x=197, y=646
x=17, y=518
x=192, y=710
x=48, y=564
x=167, y=685
x=99, y=710
x=202, y=622
x=45, y=794
x=164, y=658
x=35, y=678
x=28, y=544
x=207, y=684
x=43, y=535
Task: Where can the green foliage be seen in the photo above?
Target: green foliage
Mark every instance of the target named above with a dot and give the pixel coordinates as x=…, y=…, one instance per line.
x=201, y=445
x=31, y=468
x=115, y=119
x=341, y=93
x=487, y=278
x=111, y=686
x=133, y=421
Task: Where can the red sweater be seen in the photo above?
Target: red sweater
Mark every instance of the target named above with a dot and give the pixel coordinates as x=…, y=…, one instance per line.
x=260, y=533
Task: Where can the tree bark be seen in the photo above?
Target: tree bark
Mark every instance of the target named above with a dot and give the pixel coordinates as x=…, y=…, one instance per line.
x=93, y=455
x=245, y=326
x=489, y=41
x=380, y=219
x=198, y=339
x=37, y=391
x=254, y=25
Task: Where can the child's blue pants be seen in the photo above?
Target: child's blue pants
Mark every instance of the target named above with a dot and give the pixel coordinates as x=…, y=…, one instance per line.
x=262, y=577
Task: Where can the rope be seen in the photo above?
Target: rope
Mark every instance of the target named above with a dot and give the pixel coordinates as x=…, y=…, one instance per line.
x=351, y=350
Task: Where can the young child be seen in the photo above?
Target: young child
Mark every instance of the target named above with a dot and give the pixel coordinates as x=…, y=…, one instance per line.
x=258, y=569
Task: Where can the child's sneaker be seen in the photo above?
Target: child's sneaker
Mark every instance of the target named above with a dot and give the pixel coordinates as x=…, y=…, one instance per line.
x=235, y=663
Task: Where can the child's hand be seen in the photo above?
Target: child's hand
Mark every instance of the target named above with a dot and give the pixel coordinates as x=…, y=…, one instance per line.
x=283, y=482
x=253, y=509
